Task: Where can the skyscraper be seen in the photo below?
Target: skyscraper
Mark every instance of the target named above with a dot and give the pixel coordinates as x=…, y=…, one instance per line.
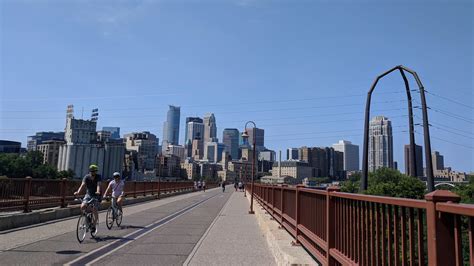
x=230, y=138
x=418, y=160
x=190, y=119
x=438, y=161
x=114, y=132
x=259, y=135
x=351, y=154
x=210, y=128
x=195, y=130
x=292, y=154
x=380, y=143
x=171, y=127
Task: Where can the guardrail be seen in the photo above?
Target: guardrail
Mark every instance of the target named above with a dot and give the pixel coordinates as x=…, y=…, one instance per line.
x=352, y=229
x=27, y=193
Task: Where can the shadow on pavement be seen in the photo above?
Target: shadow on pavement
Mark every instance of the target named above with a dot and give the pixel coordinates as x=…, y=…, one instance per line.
x=131, y=227
x=68, y=252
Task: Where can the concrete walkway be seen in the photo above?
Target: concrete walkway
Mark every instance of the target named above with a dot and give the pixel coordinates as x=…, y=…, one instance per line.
x=234, y=238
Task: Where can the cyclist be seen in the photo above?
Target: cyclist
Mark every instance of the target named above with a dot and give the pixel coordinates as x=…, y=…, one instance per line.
x=116, y=186
x=92, y=183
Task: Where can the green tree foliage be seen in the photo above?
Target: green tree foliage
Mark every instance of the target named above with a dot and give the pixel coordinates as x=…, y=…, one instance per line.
x=66, y=174
x=466, y=192
x=388, y=182
x=20, y=166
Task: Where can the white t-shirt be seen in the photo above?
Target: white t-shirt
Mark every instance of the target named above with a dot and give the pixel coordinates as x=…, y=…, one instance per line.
x=117, y=188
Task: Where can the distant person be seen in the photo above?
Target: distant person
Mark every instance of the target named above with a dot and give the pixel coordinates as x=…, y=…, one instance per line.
x=195, y=185
x=223, y=186
x=204, y=185
x=199, y=185
x=241, y=186
x=235, y=185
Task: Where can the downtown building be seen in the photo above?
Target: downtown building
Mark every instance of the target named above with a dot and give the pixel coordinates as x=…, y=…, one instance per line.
x=325, y=161
x=418, y=160
x=40, y=137
x=194, y=132
x=190, y=134
x=292, y=154
x=230, y=138
x=82, y=149
x=350, y=154
x=114, y=132
x=210, y=128
x=171, y=127
x=142, y=147
x=380, y=143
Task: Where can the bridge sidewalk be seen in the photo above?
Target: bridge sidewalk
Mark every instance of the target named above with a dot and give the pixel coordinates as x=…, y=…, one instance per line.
x=234, y=238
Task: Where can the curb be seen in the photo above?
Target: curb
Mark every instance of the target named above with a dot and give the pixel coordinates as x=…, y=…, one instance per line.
x=279, y=241
x=41, y=216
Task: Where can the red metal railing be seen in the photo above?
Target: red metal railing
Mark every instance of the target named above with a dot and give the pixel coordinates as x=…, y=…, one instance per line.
x=27, y=193
x=353, y=229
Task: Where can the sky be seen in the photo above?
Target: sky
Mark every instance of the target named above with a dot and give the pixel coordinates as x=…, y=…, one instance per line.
x=300, y=70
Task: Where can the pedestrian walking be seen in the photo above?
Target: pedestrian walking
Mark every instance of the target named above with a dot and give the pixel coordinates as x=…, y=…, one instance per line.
x=204, y=185
x=223, y=186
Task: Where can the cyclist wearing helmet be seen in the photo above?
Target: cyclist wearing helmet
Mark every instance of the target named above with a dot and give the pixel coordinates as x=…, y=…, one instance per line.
x=92, y=183
x=116, y=186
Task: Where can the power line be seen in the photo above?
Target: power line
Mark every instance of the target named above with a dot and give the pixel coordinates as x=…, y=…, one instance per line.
x=447, y=141
x=449, y=99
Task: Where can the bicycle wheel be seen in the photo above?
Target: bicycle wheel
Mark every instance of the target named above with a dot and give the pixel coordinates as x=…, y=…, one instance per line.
x=81, y=229
x=118, y=218
x=109, y=218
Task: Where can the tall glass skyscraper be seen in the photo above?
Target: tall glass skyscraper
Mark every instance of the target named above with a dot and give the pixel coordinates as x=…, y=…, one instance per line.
x=210, y=128
x=230, y=138
x=171, y=127
x=186, y=131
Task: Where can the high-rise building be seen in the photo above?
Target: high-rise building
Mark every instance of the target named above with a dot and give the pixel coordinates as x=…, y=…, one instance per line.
x=144, y=145
x=79, y=131
x=195, y=130
x=114, y=132
x=8, y=146
x=350, y=154
x=210, y=128
x=177, y=150
x=171, y=127
x=380, y=143
x=259, y=135
x=418, y=160
x=213, y=151
x=39, y=137
x=191, y=119
x=197, y=149
x=230, y=138
x=438, y=161
x=292, y=154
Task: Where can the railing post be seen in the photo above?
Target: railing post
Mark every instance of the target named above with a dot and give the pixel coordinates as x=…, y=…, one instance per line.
x=63, y=192
x=440, y=233
x=135, y=189
x=27, y=194
x=282, y=206
x=330, y=223
x=297, y=215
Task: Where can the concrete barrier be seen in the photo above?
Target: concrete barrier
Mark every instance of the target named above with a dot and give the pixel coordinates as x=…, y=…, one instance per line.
x=16, y=220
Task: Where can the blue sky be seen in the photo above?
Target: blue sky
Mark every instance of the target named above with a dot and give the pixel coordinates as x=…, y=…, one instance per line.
x=299, y=69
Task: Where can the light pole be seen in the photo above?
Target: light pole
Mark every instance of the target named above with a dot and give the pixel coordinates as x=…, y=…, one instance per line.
x=245, y=135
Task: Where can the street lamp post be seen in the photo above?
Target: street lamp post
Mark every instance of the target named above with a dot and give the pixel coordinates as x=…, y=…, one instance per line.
x=245, y=136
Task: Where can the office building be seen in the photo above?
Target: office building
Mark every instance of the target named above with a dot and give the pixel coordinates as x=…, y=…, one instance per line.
x=438, y=161
x=177, y=150
x=39, y=137
x=230, y=138
x=295, y=169
x=258, y=134
x=190, y=169
x=210, y=128
x=195, y=130
x=171, y=127
x=197, y=149
x=114, y=132
x=192, y=119
x=145, y=145
x=418, y=160
x=213, y=151
x=380, y=143
x=7, y=146
x=350, y=154
x=50, y=151
x=292, y=154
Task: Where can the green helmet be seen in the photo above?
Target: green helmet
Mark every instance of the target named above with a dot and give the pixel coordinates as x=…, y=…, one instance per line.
x=93, y=167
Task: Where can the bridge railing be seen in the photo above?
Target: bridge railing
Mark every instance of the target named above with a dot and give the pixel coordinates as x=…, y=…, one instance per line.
x=345, y=229
x=27, y=193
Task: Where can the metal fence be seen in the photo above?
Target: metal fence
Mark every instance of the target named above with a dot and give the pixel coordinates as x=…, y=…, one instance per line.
x=27, y=194
x=352, y=229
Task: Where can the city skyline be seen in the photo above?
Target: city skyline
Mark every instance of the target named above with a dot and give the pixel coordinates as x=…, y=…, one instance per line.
x=285, y=81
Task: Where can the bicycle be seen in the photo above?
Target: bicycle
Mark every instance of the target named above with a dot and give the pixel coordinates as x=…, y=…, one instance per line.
x=85, y=222
x=114, y=213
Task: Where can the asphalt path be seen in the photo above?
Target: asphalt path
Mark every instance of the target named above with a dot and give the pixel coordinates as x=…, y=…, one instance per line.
x=162, y=232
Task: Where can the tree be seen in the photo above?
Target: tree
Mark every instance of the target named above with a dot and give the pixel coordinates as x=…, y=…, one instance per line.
x=66, y=174
x=388, y=182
